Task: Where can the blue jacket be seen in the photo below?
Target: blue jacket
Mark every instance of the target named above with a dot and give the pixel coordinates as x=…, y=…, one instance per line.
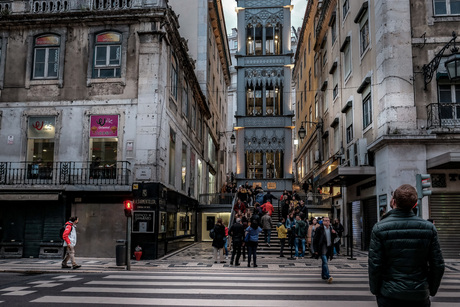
x=253, y=233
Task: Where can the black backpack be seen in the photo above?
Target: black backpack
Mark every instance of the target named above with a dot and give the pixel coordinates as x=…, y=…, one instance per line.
x=212, y=234
x=61, y=231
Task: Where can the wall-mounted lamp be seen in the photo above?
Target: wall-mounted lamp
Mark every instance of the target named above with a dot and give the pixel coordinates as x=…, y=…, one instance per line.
x=232, y=138
x=302, y=132
x=452, y=64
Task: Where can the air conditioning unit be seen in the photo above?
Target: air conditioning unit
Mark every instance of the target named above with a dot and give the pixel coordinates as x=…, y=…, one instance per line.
x=361, y=153
x=352, y=155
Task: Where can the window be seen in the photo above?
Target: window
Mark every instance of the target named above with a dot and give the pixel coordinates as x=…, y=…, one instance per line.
x=305, y=90
x=349, y=125
x=103, y=146
x=107, y=55
x=347, y=60
x=309, y=79
x=255, y=39
x=364, y=34
x=333, y=25
x=446, y=7
x=184, y=167
x=172, y=157
x=367, y=111
x=316, y=107
x=337, y=138
x=335, y=90
x=264, y=165
x=309, y=43
x=174, y=76
x=449, y=100
x=264, y=100
x=193, y=119
x=345, y=8
x=185, y=99
x=40, y=146
x=46, y=57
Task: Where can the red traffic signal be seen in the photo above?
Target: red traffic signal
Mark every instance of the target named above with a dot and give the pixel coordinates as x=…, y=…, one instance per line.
x=128, y=207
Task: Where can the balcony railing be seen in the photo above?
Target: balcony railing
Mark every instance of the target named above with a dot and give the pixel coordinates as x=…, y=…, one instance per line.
x=65, y=173
x=443, y=115
x=216, y=199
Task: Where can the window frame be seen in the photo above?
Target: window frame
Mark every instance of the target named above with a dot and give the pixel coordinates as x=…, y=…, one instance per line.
x=107, y=47
x=367, y=110
x=447, y=7
x=123, y=30
x=47, y=48
x=364, y=34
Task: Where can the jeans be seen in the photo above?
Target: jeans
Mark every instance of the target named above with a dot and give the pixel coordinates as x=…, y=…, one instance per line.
x=225, y=246
x=236, y=250
x=297, y=241
x=282, y=242
x=383, y=301
x=252, y=250
x=324, y=268
x=267, y=235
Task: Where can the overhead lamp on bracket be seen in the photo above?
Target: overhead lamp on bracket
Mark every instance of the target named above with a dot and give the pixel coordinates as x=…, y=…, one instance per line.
x=302, y=132
x=232, y=138
x=452, y=64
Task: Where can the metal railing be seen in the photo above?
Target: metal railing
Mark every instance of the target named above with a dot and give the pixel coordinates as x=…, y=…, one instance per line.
x=443, y=115
x=65, y=173
x=216, y=198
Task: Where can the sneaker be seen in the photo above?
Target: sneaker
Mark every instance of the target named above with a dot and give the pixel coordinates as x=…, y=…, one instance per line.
x=65, y=266
x=329, y=280
x=231, y=263
x=223, y=262
x=249, y=265
x=268, y=244
x=215, y=261
x=76, y=266
x=281, y=256
x=226, y=257
x=255, y=265
x=237, y=264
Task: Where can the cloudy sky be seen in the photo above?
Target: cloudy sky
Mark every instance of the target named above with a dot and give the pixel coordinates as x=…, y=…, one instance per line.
x=230, y=14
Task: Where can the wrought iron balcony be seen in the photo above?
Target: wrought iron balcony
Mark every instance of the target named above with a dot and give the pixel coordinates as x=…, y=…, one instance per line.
x=65, y=173
x=443, y=115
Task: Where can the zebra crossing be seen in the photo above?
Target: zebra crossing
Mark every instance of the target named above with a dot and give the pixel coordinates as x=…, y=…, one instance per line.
x=214, y=288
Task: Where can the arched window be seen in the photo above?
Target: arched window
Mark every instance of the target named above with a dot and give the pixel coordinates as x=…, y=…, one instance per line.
x=107, y=55
x=46, y=57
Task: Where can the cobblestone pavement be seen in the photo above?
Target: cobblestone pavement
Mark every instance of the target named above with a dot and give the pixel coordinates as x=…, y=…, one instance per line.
x=199, y=257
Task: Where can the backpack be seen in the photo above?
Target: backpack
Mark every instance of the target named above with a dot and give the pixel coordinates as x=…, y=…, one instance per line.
x=212, y=234
x=259, y=198
x=61, y=231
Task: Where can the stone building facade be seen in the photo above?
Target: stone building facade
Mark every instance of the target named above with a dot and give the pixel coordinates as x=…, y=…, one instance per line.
x=100, y=103
x=381, y=123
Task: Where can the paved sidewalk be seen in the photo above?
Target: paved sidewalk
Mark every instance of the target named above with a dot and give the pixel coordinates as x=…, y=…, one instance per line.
x=197, y=256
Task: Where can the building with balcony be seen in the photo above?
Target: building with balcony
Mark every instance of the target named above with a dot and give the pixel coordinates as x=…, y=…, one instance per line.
x=100, y=102
x=264, y=115
x=384, y=109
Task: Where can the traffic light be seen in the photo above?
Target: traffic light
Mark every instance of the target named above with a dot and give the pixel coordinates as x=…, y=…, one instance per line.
x=423, y=185
x=128, y=208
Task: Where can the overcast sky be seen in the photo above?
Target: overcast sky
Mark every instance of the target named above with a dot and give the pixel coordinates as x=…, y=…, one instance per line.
x=230, y=15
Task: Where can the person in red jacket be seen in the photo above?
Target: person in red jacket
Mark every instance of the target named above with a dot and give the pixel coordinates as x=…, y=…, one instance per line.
x=70, y=240
x=268, y=207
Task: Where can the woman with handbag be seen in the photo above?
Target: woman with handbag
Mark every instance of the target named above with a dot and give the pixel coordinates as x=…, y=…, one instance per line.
x=252, y=238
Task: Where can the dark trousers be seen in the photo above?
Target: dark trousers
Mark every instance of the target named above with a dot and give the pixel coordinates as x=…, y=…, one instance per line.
x=236, y=250
x=282, y=242
x=252, y=250
x=383, y=301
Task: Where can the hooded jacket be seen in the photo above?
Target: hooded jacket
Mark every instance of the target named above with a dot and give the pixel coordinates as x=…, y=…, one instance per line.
x=70, y=234
x=405, y=259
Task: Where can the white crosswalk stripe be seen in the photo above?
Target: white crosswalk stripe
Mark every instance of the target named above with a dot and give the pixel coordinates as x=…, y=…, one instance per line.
x=168, y=288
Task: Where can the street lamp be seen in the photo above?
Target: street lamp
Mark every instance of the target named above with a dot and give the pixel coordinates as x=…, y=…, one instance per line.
x=452, y=64
x=303, y=132
x=232, y=138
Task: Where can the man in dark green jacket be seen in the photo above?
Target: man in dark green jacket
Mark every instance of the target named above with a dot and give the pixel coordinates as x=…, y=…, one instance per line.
x=405, y=260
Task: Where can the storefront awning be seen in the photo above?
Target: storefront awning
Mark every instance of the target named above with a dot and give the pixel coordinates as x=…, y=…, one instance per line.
x=346, y=175
x=448, y=160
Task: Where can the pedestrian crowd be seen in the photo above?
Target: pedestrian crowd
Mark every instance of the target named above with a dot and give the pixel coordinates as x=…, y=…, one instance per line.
x=253, y=215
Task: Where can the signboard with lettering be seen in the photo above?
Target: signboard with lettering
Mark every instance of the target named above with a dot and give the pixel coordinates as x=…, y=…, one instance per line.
x=143, y=221
x=103, y=126
x=271, y=185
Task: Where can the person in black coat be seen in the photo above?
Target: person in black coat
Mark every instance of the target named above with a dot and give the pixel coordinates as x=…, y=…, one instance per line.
x=237, y=233
x=324, y=246
x=218, y=241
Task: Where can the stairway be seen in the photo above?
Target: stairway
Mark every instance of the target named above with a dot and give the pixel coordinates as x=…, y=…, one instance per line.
x=275, y=246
